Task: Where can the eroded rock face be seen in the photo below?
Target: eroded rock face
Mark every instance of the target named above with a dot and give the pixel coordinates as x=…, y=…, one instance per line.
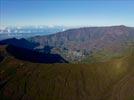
x=76, y=43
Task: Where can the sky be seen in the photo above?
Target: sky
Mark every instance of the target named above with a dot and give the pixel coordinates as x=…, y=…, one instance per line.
x=67, y=12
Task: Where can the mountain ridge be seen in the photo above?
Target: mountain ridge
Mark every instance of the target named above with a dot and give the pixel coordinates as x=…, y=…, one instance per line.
x=88, y=39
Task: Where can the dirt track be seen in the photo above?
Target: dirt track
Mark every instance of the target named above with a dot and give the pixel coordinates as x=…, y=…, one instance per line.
x=124, y=90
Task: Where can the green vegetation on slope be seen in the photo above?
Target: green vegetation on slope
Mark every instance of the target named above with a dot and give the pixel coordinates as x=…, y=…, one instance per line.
x=106, y=55
x=32, y=81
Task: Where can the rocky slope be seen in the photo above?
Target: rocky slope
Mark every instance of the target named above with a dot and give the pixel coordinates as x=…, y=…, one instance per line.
x=76, y=44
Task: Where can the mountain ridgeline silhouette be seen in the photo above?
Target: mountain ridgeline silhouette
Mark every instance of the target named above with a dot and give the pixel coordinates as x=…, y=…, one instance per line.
x=87, y=38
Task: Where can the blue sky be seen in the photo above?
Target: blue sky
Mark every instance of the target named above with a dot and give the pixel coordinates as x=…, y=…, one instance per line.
x=67, y=12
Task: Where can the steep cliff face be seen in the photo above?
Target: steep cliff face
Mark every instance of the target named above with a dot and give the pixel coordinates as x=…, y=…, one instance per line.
x=82, y=41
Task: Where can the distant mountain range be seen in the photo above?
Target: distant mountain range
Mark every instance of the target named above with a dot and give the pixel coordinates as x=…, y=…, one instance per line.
x=76, y=45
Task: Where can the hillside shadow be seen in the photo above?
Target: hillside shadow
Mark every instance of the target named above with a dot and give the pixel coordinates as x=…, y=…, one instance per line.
x=1, y=58
x=34, y=56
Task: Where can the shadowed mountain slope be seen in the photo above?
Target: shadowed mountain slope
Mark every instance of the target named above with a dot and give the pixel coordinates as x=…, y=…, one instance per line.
x=24, y=50
x=34, y=56
x=31, y=55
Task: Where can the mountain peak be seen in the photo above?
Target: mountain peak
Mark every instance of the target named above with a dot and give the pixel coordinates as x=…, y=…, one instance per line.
x=122, y=26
